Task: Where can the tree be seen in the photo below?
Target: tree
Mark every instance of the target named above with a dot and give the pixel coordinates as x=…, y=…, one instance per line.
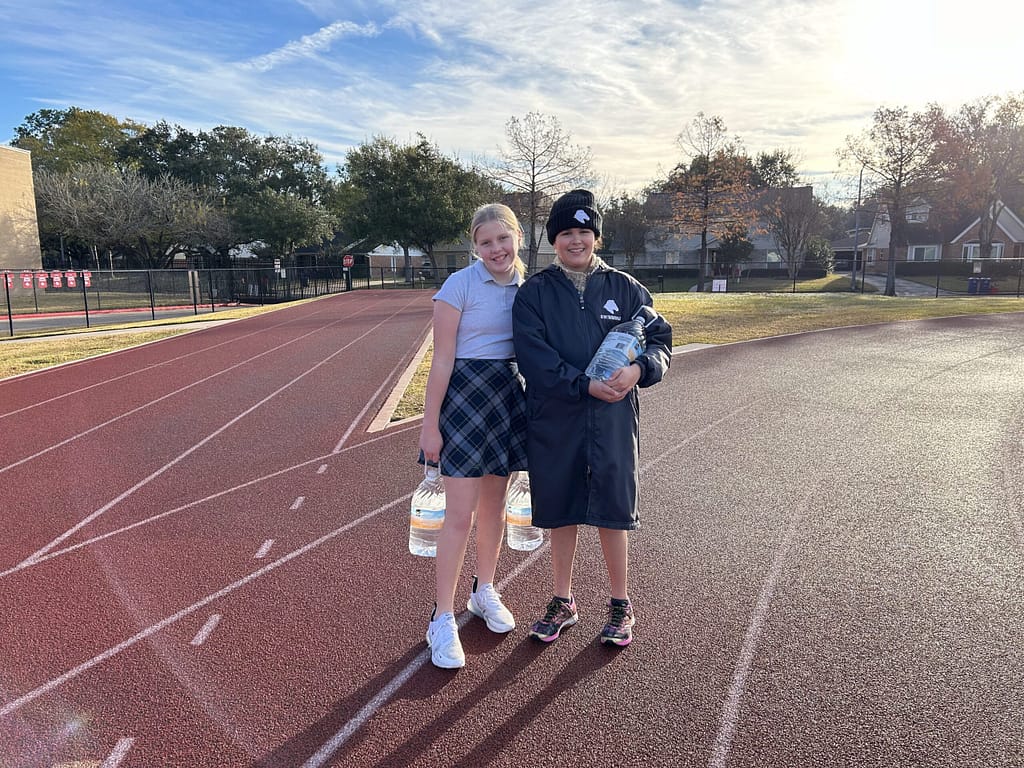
x=774, y=169
x=710, y=195
x=149, y=221
x=410, y=195
x=539, y=162
x=981, y=151
x=734, y=249
x=624, y=226
x=60, y=139
x=898, y=151
x=274, y=188
x=792, y=216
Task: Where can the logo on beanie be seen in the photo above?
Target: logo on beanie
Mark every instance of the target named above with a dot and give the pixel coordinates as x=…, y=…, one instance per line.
x=581, y=216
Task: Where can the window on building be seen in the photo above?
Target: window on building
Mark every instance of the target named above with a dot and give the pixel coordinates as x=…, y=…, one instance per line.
x=923, y=253
x=972, y=251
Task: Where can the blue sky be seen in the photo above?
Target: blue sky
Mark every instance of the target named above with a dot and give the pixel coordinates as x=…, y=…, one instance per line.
x=624, y=77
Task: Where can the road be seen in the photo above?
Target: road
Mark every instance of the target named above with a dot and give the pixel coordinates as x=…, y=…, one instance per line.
x=204, y=561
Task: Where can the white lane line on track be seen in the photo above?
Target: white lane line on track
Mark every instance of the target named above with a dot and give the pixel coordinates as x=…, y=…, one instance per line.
x=109, y=505
x=206, y=631
x=699, y=433
x=178, y=391
x=15, y=704
x=264, y=550
x=369, y=709
x=369, y=404
x=297, y=503
x=179, y=358
x=323, y=468
x=119, y=753
x=731, y=706
x=191, y=505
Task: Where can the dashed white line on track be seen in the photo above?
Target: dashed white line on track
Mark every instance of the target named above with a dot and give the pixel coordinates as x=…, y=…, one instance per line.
x=207, y=630
x=297, y=503
x=262, y=551
x=323, y=468
x=118, y=754
x=51, y=685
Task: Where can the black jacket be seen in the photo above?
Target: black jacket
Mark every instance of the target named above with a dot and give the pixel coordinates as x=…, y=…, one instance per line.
x=582, y=451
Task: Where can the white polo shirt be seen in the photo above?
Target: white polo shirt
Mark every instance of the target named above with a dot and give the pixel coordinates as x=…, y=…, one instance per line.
x=485, y=326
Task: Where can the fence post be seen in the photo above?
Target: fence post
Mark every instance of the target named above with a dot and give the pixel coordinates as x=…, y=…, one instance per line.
x=85, y=299
x=209, y=276
x=152, y=298
x=10, y=314
x=938, y=277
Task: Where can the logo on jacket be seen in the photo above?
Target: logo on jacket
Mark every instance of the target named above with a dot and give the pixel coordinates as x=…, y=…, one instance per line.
x=581, y=216
x=611, y=306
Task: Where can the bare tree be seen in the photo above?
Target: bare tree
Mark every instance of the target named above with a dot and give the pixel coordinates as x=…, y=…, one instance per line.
x=539, y=162
x=149, y=220
x=898, y=151
x=791, y=215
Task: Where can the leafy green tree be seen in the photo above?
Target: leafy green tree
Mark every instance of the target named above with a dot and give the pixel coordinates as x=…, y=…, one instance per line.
x=774, y=169
x=60, y=139
x=734, y=248
x=539, y=162
x=411, y=195
x=274, y=189
x=624, y=226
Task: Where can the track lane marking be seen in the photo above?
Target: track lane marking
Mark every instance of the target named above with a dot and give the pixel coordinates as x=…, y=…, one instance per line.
x=332, y=745
x=119, y=753
x=15, y=704
x=264, y=550
x=178, y=391
x=142, y=483
x=144, y=369
x=297, y=503
x=731, y=707
x=184, y=507
x=203, y=634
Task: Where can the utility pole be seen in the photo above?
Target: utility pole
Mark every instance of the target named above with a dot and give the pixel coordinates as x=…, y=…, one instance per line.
x=856, y=232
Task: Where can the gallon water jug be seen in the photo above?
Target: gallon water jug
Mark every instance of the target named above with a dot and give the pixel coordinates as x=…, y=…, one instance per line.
x=520, y=533
x=623, y=344
x=426, y=514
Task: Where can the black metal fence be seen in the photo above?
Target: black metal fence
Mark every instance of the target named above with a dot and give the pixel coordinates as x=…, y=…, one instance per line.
x=84, y=298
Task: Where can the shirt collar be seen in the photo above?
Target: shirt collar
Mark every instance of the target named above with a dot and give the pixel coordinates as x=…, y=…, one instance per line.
x=485, y=276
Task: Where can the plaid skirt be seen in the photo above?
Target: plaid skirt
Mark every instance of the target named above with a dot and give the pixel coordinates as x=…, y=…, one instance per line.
x=483, y=419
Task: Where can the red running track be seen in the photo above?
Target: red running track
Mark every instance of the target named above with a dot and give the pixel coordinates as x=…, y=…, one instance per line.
x=203, y=561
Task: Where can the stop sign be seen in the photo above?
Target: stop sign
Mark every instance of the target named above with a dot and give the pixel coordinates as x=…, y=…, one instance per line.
x=346, y=260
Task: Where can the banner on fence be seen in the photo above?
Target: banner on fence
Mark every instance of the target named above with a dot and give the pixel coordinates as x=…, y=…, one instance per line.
x=41, y=280
x=70, y=277
x=55, y=278
x=26, y=280
x=87, y=279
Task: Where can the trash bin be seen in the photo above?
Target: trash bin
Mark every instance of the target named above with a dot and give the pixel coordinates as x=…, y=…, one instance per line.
x=972, y=285
x=985, y=285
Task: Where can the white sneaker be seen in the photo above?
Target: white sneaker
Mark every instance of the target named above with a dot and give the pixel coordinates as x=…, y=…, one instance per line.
x=443, y=639
x=486, y=603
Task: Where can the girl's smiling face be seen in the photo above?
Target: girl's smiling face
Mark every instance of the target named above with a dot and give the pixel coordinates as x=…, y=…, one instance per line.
x=497, y=247
x=575, y=247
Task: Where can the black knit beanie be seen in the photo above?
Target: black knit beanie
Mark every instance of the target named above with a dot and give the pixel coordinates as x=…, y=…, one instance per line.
x=574, y=209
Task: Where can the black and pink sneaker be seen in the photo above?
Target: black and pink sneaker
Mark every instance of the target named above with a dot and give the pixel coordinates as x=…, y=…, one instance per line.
x=560, y=613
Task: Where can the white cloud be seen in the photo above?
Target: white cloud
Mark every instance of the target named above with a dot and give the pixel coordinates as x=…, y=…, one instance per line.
x=622, y=77
x=309, y=45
